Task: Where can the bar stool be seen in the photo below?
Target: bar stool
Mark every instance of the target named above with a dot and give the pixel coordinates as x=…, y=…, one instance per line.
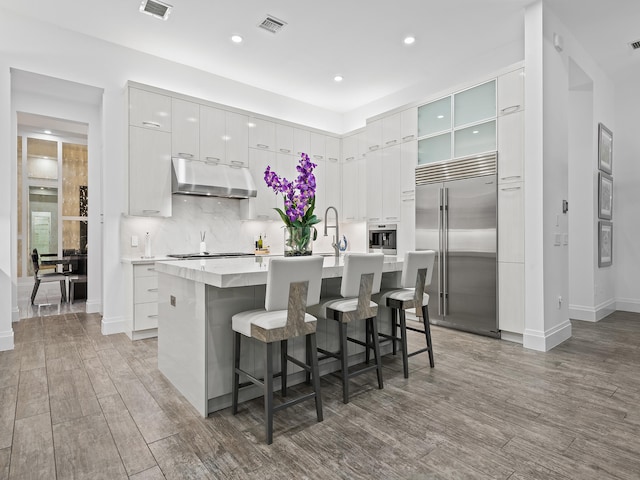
x=361, y=278
x=292, y=284
x=418, y=267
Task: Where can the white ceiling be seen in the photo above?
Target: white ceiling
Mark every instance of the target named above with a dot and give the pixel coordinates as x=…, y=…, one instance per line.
x=359, y=39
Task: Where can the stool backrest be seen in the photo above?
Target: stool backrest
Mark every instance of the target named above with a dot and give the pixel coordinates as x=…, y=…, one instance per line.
x=414, y=261
x=355, y=264
x=285, y=271
x=35, y=259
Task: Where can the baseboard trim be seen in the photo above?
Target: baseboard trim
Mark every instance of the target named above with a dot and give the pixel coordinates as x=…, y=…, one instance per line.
x=15, y=315
x=6, y=341
x=628, y=305
x=94, y=306
x=593, y=314
x=545, y=341
x=113, y=325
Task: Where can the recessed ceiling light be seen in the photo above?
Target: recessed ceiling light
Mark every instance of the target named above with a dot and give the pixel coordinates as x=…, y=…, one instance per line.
x=236, y=38
x=48, y=132
x=338, y=78
x=440, y=116
x=410, y=40
x=476, y=131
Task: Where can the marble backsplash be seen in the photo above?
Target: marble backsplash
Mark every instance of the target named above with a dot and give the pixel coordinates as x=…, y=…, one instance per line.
x=225, y=230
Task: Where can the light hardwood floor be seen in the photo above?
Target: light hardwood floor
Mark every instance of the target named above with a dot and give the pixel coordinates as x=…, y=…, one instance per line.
x=76, y=404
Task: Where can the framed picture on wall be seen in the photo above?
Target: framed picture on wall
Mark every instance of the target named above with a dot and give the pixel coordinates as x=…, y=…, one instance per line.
x=605, y=196
x=605, y=244
x=605, y=149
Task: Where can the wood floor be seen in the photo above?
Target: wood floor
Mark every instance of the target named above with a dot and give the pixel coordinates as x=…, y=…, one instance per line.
x=76, y=404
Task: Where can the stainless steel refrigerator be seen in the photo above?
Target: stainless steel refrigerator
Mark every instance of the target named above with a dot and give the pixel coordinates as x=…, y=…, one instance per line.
x=456, y=215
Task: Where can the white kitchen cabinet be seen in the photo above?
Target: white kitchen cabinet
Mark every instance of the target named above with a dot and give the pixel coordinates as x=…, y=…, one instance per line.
x=317, y=148
x=262, y=134
x=511, y=222
x=362, y=189
x=212, y=135
x=409, y=124
x=333, y=184
x=286, y=166
x=284, y=139
x=374, y=135
x=237, y=139
x=511, y=148
x=301, y=141
x=407, y=225
x=149, y=172
x=511, y=92
x=149, y=110
x=511, y=296
x=350, y=189
x=362, y=144
x=320, y=172
x=349, y=148
x=389, y=187
x=261, y=207
x=391, y=127
x=374, y=186
x=332, y=148
x=141, y=296
x=185, y=129
x=408, y=163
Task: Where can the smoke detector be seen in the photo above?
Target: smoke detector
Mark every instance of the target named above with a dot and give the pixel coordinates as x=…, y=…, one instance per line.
x=635, y=45
x=155, y=8
x=272, y=24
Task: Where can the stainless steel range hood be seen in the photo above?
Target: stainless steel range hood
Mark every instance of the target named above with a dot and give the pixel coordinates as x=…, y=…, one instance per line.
x=195, y=177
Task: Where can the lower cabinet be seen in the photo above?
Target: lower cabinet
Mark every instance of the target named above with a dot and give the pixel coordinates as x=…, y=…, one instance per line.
x=142, y=301
x=511, y=297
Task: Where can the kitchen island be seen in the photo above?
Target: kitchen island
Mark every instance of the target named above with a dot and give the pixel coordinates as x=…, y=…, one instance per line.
x=196, y=299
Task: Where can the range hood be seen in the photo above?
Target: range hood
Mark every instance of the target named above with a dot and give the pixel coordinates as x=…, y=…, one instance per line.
x=195, y=177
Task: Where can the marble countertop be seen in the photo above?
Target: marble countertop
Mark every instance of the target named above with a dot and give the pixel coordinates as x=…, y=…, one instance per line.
x=244, y=272
x=146, y=260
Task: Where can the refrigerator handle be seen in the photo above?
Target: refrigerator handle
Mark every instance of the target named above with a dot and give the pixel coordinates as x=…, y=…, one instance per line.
x=440, y=247
x=445, y=256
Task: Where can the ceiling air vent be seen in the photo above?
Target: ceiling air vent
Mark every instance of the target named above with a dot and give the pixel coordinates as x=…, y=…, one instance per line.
x=155, y=8
x=635, y=45
x=272, y=24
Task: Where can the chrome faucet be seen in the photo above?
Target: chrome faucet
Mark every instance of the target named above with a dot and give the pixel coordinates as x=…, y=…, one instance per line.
x=336, y=238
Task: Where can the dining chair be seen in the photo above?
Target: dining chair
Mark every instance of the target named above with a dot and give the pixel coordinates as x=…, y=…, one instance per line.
x=40, y=277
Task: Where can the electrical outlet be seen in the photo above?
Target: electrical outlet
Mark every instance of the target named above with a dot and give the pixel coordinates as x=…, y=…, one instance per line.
x=559, y=301
x=134, y=240
x=172, y=300
x=565, y=239
x=557, y=239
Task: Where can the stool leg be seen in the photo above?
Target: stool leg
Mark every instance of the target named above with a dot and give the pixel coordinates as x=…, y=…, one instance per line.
x=36, y=285
x=309, y=353
x=344, y=362
x=427, y=333
x=394, y=328
x=403, y=339
x=268, y=392
x=367, y=334
x=315, y=373
x=376, y=350
x=283, y=366
x=236, y=375
x=63, y=291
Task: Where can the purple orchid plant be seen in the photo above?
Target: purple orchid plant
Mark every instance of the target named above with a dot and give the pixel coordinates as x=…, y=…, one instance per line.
x=299, y=195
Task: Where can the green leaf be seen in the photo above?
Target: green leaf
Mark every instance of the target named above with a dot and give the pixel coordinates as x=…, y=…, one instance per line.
x=284, y=216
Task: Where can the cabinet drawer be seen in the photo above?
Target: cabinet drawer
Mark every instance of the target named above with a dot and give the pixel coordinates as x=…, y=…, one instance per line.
x=148, y=270
x=145, y=290
x=145, y=316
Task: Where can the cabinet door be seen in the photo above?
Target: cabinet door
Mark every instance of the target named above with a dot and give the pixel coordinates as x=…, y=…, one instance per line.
x=390, y=184
x=185, y=129
x=262, y=134
x=409, y=124
x=262, y=206
x=391, y=130
x=149, y=172
x=408, y=162
x=149, y=110
x=511, y=92
x=407, y=226
x=284, y=139
x=286, y=166
x=362, y=144
x=350, y=190
x=475, y=104
x=511, y=223
x=511, y=297
x=511, y=148
x=237, y=140
x=301, y=142
x=374, y=186
x=374, y=135
x=318, y=147
x=320, y=173
x=362, y=189
x=333, y=186
x=332, y=148
x=212, y=134
x=349, y=148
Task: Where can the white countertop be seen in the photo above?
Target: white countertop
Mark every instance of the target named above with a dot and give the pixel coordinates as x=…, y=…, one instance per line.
x=248, y=271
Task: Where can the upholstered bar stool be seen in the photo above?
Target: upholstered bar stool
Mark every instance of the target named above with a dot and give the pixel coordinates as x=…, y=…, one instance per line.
x=360, y=279
x=292, y=284
x=417, y=271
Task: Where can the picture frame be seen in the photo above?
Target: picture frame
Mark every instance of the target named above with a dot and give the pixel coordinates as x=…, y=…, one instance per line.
x=605, y=196
x=605, y=243
x=605, y=149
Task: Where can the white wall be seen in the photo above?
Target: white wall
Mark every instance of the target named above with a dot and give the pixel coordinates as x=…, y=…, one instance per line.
x=626, y=196
x=7, y=203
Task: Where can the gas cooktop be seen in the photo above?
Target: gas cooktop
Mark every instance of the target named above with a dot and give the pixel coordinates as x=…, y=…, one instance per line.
x=210, y=255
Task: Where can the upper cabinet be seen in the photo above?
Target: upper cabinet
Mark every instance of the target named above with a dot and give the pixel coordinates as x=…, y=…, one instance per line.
x=317, y=148
x=332, y=149
x=511, y=92
x=476, y=104
x=301, y=141
x=149, y=110
x=212, y=134
x=236, y=139
x=409, y=124
x=262, y=134
x=374, y=135
x=185, y=129
x=391, y=130
x=284, y=139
